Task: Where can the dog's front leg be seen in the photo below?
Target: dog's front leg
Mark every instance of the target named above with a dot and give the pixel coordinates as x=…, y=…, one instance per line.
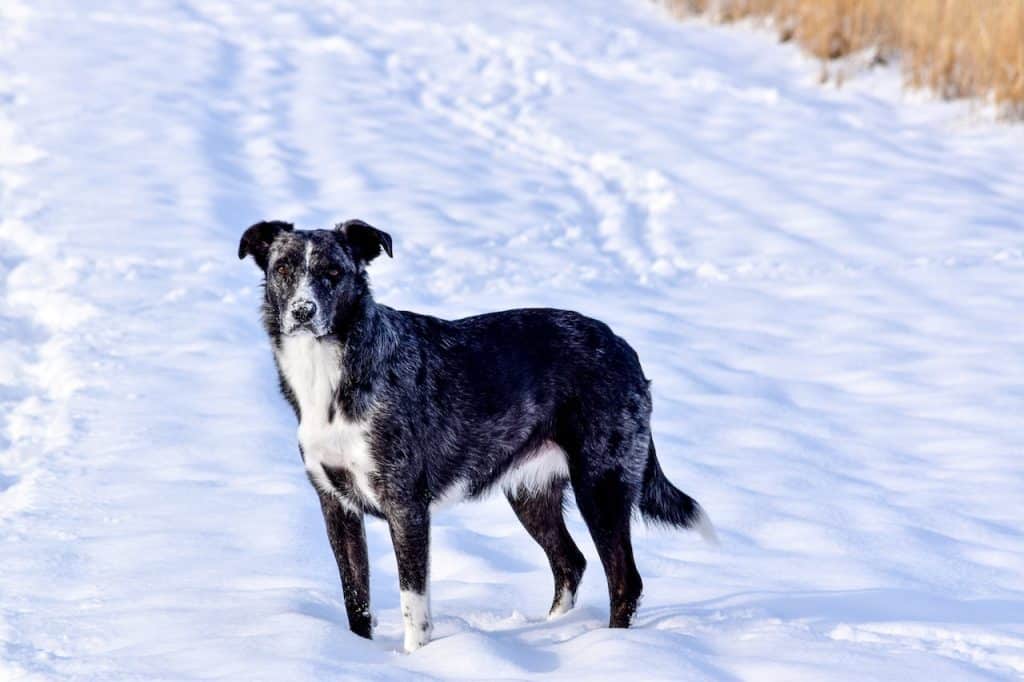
x=348, y=540
x=410, y=534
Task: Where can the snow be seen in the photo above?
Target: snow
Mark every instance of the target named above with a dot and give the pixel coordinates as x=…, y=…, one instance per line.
x=825, y=286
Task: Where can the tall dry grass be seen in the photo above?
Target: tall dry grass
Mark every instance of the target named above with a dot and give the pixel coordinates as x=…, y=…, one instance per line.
x=959, y=48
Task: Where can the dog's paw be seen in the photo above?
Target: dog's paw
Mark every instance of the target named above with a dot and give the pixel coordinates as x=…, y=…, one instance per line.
x=563, y=604
x=417, y=636
x=416, y=617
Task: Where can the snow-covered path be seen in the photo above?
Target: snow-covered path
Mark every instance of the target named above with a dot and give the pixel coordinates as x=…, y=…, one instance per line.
x=826, y=287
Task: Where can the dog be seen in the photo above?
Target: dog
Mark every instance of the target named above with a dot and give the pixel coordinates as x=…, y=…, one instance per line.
x=400, y=412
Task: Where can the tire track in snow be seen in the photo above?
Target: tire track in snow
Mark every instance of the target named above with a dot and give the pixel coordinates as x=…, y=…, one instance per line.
x=629, y=202
x=38, y=311
x=39, y=318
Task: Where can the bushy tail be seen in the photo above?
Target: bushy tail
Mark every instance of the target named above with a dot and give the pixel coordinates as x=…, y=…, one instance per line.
x=662, y=502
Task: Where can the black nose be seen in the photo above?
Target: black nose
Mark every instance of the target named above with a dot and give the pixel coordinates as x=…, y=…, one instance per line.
x=303, y=311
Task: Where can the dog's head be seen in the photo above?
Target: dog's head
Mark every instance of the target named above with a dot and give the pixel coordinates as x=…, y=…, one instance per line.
x=315, y=277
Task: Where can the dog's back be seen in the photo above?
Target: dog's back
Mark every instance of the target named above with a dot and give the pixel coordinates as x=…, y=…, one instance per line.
x=482, y=394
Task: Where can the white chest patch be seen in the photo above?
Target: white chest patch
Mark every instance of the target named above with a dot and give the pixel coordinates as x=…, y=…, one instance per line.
x=312, y=369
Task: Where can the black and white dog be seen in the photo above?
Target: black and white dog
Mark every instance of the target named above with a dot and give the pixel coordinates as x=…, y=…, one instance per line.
x=399, y=412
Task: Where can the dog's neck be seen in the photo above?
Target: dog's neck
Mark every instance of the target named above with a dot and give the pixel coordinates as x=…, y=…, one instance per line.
x=364, y=333
x=367, y=339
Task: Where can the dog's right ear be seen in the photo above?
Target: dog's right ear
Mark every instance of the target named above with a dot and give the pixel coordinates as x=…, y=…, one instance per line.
x=257, y=239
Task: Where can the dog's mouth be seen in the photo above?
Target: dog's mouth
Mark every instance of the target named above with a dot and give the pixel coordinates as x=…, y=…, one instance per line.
x=293, y=328
x=305, y=329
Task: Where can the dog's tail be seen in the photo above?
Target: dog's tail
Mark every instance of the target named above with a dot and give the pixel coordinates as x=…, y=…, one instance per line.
x=662, y=502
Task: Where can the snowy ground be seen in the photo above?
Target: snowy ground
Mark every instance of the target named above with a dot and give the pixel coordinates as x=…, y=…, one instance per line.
x=826, y=287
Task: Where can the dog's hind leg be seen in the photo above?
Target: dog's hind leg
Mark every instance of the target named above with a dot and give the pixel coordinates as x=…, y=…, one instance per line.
x=348, y=540
x=605, y=503
x=540, y=512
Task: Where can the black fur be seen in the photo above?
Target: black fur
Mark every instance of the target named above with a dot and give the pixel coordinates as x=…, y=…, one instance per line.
x=461, y=403
x=540, y=512
x=348, y=541
x=662, y=502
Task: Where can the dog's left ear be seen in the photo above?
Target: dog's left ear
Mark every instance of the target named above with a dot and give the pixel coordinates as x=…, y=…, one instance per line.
x=257, y=239
x=365, y=239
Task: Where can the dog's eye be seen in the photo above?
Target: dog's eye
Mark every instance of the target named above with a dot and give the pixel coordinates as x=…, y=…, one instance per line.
x=333, y=273
x=282, y=270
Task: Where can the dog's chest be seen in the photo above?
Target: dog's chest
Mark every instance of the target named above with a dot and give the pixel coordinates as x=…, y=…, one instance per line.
x=312, y=369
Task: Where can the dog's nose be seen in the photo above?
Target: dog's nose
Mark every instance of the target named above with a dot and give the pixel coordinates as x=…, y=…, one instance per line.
x=303, y=311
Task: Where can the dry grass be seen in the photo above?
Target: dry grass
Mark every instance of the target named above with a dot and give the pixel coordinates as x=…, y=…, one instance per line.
x=959, y=48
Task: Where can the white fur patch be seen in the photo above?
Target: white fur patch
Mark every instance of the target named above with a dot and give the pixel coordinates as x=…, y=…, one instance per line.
x=537, y=470
x=534, y=472
x=312, y=369
x=566, y=600
x=416, y=617
x=704, y=526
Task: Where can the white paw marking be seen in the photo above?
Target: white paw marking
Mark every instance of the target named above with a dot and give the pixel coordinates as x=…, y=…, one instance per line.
x=566, y=600
x=416, y=616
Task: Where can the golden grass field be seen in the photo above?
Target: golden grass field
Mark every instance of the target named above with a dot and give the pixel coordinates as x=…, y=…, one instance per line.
x=958, y=48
